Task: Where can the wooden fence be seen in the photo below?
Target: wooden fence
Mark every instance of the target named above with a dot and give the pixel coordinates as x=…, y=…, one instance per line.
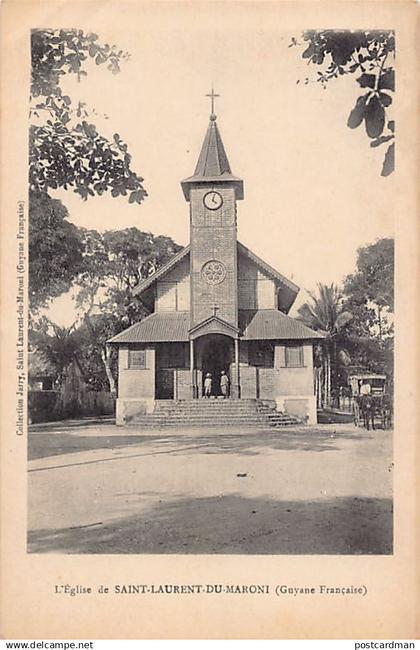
x=51, y=405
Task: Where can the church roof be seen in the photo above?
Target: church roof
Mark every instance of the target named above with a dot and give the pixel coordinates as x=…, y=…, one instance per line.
x=158, y=327
x=213, y=164
x=213, y=160
x=267, y=324
x=273, y=324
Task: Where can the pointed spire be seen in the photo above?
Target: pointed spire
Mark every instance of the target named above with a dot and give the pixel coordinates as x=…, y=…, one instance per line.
x=213, y=164
x=213, y=160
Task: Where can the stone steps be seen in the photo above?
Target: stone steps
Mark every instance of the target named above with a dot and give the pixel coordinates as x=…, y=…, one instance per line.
x=151, y=423
x=214, y=414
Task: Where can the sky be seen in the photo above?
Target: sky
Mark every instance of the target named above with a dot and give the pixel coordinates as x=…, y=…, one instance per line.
x=313, y=190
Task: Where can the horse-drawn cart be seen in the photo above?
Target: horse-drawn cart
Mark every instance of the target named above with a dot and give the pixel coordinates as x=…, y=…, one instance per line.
x=372, y=405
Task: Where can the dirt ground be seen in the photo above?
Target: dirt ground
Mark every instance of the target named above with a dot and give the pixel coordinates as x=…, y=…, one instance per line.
x=97, y=488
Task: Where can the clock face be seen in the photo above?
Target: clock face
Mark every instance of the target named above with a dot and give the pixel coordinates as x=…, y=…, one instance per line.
x=213, y=200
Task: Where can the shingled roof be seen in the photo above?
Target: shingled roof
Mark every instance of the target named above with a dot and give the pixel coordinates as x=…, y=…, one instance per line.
x=157, y=328
x=212, y=160
x=273, y=324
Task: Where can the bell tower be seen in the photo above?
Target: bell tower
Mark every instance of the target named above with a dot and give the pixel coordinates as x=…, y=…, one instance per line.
x=212, y=193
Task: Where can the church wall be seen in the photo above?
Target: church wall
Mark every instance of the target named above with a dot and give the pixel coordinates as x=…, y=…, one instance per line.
x=166, y=296
x=256, y=290
x=173, y=377
x=295, y=391
x=269, y=378
x=183, y=295
x=136, y=386
x=265, y=294
x=248, y=384
x=295, y=381
x=183, y=384
x=256, y=381
x=173, y=292
x=266, y=383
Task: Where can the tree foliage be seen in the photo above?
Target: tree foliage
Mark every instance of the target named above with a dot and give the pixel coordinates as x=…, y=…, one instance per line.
x=370, y=290
x=356, y=321
x=55, y=250
x=115, y=262
x=325, y=312
x=65, y=149
x=368, y=54
x=57, y=345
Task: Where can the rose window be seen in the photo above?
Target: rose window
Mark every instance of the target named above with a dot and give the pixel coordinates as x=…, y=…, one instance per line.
x=213, y=272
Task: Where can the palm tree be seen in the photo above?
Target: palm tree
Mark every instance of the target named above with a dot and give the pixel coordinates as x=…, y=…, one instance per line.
x=58, y=345
x=326, y=314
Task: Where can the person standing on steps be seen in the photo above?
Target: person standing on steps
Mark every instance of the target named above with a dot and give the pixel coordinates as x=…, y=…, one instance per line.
x=224, y=384
x=207, y=385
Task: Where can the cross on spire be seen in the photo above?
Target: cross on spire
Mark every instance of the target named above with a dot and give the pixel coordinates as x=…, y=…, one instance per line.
x=215, y=309
x=212, y=96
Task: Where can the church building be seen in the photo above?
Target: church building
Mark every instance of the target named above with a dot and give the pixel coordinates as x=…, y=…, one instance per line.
x=216, y=308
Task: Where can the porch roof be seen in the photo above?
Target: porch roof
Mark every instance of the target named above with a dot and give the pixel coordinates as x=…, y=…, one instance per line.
x=268, y=324
x=156, y=328
x=272, y=324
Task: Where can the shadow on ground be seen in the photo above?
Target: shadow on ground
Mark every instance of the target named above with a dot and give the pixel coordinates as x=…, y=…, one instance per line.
x=43, y=445
x=235, y=525
x=282, y=439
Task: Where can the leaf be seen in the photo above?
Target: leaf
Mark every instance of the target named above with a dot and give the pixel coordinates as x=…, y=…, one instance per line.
x=358, y=113
x=308, y=52
x=389, y=161
x=386, y=100
x=99, y=59
x=391, y=125
x=381, y=140
x=374, y=117
x=367, y=81
x=387, y=80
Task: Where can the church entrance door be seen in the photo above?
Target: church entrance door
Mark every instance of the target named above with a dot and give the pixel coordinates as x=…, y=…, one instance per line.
x=214, y=354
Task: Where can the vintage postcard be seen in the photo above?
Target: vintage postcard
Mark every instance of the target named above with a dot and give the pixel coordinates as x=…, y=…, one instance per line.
x=209, y=293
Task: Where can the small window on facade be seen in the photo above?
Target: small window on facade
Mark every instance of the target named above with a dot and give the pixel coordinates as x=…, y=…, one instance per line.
x=137, y=358
x=294, y=356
